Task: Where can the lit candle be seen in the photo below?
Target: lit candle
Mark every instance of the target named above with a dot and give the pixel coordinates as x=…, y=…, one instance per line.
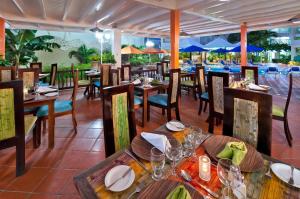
x=204, y=168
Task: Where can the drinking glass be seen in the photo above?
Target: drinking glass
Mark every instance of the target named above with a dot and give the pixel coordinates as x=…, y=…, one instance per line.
x=223, y=171
x=157, y=163
x=36, y=88
x=174, y=153
x=187, y=148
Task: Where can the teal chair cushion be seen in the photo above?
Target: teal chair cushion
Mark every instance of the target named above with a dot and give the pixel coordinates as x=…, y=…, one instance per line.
x=161, y=99
x=30, y=109
x=204, y=96
x=138, y=100
x=97, y=83
x=43, y=83
x=59, y=106
x=277, y=111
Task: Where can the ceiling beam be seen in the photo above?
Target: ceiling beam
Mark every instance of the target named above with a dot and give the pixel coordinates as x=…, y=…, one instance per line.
x=205, y=16
x=42, y=4
x=19, y=7
x=90, y=7
x=168, y=4
x=66, y=11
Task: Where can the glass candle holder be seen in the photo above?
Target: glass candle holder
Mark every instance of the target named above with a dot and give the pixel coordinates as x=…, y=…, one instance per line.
x=204, y=168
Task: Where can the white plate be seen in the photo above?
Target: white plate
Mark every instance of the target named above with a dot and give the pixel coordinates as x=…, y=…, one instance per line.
x=283, y=172
x=51, y=94
x=116, y=173
x=175, y=126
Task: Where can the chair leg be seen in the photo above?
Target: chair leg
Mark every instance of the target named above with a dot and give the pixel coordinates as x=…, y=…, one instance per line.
x=211, y=124
x=37, y=134
x=148, y=112
x=163, y=112
x=44, y=126
x=177, y=113
x=200, y=107
x=205, y=106
x=288, y=128
x=169, y=114
x=74, y=121
x=195, y=94
x=20, y=156
x=86, y=91
x=287, y=135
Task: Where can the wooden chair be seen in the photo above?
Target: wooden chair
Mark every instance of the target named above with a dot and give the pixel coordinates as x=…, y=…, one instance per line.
x=279, y=113
x=216, y=83
x=62, y=107
x=30, y=76
x=190, y=84
x=160, y=69
x=251, y=73
x=248, y=116
x=114, y=77
x=165, y=68
x=201, y=84
x=126, y=72
x=37, y=65
x=169, y=100
x=118, y=118
x=53, y=74
x=15, y=127
x=7, y=73
x=104, y=78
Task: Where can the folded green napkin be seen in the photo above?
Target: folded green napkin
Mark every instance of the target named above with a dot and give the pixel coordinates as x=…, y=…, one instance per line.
x=235, y=151
x=155, y=81
x=180, y=192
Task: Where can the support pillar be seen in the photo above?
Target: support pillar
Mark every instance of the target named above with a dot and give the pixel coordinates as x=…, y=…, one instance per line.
x=244, y=44
x=2, y=38
x=174, y=35
x=117, y=47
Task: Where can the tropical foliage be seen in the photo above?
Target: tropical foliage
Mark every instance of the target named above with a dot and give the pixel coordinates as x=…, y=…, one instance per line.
x=83, y=54
x=21, y=45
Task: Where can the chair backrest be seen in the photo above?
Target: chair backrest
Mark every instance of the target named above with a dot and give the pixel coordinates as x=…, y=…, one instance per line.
x=251, y=73
x=126, y=72
x=118, y=117
x=216, y=83
x=287, y=103
x=165, y=66
x=75, y=85
x=11, y=111
x=174, y=86
x=53, y=74
x=37, y=65
x=200, y=77
x=114, y=77
x=160, y=69
x=248, y=116
x=105, y=75
x=30, y=76
x=7, y=73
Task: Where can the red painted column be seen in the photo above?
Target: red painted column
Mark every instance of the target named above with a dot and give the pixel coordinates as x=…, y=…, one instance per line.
x=244, y=44
x=2, y=38
x=174, y=35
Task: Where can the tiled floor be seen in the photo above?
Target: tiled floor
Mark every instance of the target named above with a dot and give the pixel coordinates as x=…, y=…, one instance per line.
x=49, y=172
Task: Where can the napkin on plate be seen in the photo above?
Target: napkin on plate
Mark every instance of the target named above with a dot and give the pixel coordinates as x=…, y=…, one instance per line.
x=137, y=81
x=235, y=151
x=157, y=140
x=46, y=89
x=180, y=192
x=256, y=87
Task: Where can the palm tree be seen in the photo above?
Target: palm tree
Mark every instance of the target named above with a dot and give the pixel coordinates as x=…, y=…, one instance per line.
x=83, y=54
x=22, y=44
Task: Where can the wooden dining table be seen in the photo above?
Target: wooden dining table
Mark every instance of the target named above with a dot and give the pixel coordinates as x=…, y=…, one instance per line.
x=41, y=100
x=90, y=183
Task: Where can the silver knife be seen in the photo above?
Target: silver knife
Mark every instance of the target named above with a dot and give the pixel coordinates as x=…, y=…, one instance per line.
x=123, y=176
x=207, y=189
x=139, y=162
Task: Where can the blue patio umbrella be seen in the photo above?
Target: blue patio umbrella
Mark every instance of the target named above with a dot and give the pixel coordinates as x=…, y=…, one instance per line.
x=250, y=48
x=220, y=50
x=193, y=49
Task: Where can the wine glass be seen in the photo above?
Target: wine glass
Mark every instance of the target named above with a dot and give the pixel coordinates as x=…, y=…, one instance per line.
x=223, y=171
x=174, y=153
x=157, y=163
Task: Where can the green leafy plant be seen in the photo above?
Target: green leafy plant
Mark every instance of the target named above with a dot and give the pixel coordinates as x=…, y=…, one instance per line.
x=108, y=57
x=83, y=54
x=96, y=57
x=21, y=45
x=4, y=62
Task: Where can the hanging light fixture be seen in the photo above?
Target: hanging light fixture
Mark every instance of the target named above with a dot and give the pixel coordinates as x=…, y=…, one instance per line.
x=149, y=44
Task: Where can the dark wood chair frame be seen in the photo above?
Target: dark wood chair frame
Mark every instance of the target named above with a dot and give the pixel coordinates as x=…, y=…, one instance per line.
x=169, y=104
x=287, y=131
x=122, y=72
x=112, y=73
x=19, y=140
x=255, y=72
x=101, y=80
x=53, y=74
x=39, y=64
x=165, y=70
x=35, y=70
x=108, y=92
x=264, y=100
x=198, y=68
x=212, y=113
x=13, y=71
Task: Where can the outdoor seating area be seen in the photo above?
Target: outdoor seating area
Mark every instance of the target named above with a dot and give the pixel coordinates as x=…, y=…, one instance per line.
x=149, y=99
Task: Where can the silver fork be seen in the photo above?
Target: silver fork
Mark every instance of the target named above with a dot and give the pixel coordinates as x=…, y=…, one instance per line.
x=291, y=180
x=268, y=173
x=138, y=189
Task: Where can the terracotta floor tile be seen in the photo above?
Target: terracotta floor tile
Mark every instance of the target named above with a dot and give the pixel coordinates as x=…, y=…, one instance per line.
x=7, y=176
x=69, y=196
x=90, y=159
x=48, y=158
x=29, y=181
x=72, y=159
x=93, y=133
x=13, y=195
x=97, y=124
x=82, y=144
x=43, y=196
x=99, y=146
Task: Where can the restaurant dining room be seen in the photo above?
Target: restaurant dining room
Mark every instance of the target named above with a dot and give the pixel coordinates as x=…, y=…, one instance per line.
x=160, y=99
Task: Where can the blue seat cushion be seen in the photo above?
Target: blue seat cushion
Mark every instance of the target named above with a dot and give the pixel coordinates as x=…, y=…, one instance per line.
x=30, y=109
x=138, y=100
x=204, y=96
x=43, y=83
x=161, y=99
x=59, y=106
x=97, y=83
